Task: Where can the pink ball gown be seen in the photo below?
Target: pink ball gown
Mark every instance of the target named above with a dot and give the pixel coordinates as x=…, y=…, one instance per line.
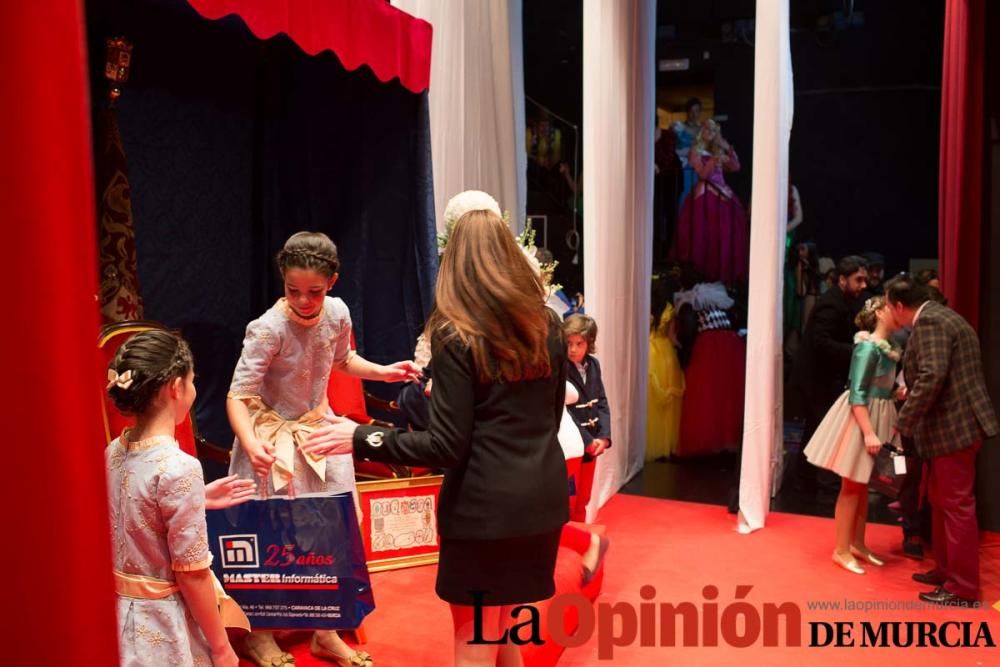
x=712, y=233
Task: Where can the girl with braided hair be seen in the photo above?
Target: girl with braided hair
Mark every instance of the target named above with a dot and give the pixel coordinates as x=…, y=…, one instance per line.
x=168, y=605
x=279, y=386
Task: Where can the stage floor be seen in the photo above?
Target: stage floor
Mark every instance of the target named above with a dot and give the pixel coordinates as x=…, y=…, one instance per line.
x=679, y=548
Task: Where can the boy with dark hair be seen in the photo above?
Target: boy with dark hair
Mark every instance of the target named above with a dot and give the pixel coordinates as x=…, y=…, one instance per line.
x=591, y=412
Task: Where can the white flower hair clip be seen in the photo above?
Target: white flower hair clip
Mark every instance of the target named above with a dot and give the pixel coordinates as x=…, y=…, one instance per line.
x=470, y=200
x=123, y=381
x=462, y=203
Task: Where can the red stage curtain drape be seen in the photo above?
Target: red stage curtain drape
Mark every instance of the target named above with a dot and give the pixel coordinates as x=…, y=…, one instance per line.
x=960, y=205
x=56, y=559
x=361, y=32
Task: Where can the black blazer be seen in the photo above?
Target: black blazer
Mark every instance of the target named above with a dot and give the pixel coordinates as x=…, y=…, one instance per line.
x=505, y=472
x=590, y=413
x=824, y=358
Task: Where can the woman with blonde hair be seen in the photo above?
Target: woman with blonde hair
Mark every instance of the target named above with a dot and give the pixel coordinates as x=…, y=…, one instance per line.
x=712, y=233
x=499, y=383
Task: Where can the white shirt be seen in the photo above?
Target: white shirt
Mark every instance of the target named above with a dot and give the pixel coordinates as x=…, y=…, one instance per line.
x=899, y=378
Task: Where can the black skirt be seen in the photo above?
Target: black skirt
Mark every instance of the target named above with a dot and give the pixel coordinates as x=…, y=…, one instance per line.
x=514, y=570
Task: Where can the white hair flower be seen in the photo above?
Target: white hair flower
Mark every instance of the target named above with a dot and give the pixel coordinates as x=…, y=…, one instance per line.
x=477, y=200
x=470, y=200
x=459, y=205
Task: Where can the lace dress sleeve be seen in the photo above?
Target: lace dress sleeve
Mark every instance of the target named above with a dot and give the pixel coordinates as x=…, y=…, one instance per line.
x=181, y=498
x=259, y=347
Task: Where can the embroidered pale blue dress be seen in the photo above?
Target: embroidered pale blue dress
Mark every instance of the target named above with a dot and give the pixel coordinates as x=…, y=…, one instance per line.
x=156, y=496
x=286, y=362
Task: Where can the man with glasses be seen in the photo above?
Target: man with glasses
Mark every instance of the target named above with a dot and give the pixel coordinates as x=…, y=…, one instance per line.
x=948, y=413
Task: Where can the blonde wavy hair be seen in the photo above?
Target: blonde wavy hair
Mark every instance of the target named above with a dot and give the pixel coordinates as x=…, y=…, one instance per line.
x=714, y=148
x=867, y=319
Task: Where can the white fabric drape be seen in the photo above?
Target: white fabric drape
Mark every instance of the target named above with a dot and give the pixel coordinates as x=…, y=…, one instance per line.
x=763, y=423
x=476, y=100
x=618, y=108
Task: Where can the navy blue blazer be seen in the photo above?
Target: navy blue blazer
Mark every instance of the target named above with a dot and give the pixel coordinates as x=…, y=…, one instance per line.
x=591, y=413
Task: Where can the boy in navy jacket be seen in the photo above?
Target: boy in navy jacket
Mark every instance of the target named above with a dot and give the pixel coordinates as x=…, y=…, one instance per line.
x=591, y=412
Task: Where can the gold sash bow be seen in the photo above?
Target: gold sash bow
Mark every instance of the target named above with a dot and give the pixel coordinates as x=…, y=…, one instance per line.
x=143, y=587
x=151, y=588
x=287, y=436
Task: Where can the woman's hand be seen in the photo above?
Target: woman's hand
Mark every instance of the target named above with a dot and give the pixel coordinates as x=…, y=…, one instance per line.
x=228, y=491
x=873, y=443
x=261, y=455
x=335, y=438
x=902, y=392
x=401, y=371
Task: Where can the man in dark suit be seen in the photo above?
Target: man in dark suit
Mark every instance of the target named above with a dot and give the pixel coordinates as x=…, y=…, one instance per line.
x=947, y=413
x=876, y=267
x=824, y=357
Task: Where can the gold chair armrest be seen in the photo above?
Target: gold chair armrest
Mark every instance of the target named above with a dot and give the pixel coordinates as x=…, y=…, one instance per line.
x=374, y=402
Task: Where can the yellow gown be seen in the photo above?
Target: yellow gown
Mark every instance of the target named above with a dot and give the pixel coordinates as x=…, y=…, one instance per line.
x=666, y=391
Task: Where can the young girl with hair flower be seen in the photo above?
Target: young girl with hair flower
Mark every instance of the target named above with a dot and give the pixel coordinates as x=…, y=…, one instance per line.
x=855, y=428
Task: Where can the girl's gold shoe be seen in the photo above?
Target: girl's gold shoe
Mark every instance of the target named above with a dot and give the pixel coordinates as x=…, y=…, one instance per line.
x=358, y=659
x=848, y=564
x=866, y=554
x=257, y=655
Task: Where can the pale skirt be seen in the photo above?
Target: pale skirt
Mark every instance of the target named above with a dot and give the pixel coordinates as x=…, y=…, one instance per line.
x=160, y=632
x=838, y=444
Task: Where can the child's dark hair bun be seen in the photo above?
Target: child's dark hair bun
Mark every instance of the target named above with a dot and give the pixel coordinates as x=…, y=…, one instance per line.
x=143, y=365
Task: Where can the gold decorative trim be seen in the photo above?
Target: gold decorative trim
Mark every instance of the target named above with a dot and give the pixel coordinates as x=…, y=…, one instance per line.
x=399, y=562
x=399, y=483
x=290, y=313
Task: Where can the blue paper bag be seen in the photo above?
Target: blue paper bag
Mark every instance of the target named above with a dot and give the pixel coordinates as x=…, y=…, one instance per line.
x=293, y=564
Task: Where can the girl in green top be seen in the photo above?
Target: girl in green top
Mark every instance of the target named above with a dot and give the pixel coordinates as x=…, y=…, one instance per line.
x=854, y=429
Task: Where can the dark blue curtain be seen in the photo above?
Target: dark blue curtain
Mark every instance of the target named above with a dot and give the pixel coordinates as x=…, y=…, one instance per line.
x=233, y=144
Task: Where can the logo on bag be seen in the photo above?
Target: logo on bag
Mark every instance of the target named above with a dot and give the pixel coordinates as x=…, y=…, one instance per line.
x=239, y=551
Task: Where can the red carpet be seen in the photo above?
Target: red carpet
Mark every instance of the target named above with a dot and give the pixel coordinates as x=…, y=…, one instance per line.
x=679, y=548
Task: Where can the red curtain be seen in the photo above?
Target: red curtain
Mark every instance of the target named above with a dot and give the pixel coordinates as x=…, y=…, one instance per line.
x=361, y=32
x=57, y=552
x=960, y=205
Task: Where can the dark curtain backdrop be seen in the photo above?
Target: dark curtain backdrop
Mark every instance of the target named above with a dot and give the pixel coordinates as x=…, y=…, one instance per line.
x=864, y=146
x=234, y=144
x=864, y=149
